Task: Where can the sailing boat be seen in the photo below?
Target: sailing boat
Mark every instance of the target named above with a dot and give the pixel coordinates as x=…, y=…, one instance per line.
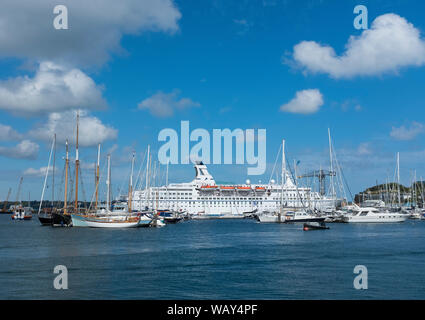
x=108, y=220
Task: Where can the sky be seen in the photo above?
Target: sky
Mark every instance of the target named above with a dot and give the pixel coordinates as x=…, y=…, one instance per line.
x=133, y=68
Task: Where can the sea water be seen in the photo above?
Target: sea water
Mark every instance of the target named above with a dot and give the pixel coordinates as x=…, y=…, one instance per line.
x=213, y=259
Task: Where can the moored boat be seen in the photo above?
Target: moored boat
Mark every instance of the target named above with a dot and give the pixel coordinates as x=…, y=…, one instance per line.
x=22, y=213
x=315, y=226
x=373, y=215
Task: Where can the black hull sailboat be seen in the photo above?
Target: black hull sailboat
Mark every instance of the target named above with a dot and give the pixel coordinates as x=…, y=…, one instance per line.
x=61, y=220
x=45, y=219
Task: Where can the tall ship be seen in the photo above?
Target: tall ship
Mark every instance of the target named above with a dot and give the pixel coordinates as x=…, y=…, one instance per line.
x=204, y=198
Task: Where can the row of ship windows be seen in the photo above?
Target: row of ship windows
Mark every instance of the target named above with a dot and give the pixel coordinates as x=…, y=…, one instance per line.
x=163, y=193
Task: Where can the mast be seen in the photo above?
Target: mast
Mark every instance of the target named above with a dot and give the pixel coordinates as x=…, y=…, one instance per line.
x=108, y=184
x=130, y=188
x=283, y=174
x=332, y=190
x=65, y=199
x=97, y=176
x=166, y=185
x=147, y=176
x=53, y=173
x=45, y=179
x=398, y=178
x=77, y=164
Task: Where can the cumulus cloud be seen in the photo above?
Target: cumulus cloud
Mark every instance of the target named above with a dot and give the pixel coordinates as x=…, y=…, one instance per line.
x=164, y=104
x=305, y=102
x=95, y=28
x=407, y=133
x=364, y=149
x=390, y=44
x=53, y=88
x=7, y=133
x=37, y=172
x=91, y=129
x=26, y=149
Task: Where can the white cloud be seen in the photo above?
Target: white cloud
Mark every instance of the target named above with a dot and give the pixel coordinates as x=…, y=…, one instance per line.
x=38, y=172
x=91, y=129
x=364, y=149
x=163, y=104
x=305, y=102
x=26, y=149
x=53, y=88
x=390, y=44
x=7, y=133
x=95, y=28
x=407, y=133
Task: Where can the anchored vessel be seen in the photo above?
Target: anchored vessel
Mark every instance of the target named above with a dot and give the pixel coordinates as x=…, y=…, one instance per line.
x=374, y=215
x=204, y=198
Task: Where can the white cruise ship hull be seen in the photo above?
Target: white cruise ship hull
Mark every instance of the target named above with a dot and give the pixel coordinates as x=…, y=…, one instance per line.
x=217, y=201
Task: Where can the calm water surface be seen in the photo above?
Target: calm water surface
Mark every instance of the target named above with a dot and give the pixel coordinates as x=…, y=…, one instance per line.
x=227, y=259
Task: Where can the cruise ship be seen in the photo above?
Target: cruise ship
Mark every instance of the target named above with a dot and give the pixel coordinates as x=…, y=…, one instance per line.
x=204, y=198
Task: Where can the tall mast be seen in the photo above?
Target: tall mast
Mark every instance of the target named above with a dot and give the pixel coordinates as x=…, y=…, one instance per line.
x=77, y=164
x=147, y=175
x=97, y=175
x=53, y=173
x=130, y=188
x=332, y=190
x=166, y=185
x=65, y=200
x=45, y=181
x=283, y=175
x=108, y=184
x=398, y=178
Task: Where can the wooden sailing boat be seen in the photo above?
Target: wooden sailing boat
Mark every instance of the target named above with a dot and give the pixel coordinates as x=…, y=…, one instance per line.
x=61, y=217
x=108, y=220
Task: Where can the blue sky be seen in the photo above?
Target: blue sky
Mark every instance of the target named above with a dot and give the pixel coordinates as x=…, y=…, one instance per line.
x=234, y=63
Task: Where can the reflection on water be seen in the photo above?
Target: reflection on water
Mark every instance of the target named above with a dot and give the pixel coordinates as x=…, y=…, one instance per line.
x=228, y=259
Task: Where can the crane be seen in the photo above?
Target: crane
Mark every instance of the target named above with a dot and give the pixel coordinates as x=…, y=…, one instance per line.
x=7, y=200
x=321, y=175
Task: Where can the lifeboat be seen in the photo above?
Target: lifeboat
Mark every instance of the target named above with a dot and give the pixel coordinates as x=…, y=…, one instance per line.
x=260, y=189
x=208, y=188
x=243, y=189
x=227, y=188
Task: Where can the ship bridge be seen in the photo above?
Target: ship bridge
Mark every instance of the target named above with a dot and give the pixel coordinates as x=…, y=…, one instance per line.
x=203, y=177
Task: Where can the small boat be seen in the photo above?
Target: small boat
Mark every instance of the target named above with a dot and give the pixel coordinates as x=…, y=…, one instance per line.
x=315, y=226
x=169, y=216
x=22, y=213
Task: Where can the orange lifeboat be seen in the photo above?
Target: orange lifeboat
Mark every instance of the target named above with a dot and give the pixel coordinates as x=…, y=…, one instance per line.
x=208, y=188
